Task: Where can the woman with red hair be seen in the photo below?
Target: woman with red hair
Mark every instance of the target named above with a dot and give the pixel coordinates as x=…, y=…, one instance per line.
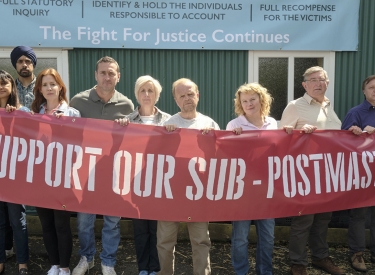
x=50, y=99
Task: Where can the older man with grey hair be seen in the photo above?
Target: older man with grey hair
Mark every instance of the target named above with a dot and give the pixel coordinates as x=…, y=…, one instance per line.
x=308, y=113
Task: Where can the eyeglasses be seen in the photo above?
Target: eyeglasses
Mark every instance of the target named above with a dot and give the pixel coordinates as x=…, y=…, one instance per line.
x=26, y=61
x=316, y=81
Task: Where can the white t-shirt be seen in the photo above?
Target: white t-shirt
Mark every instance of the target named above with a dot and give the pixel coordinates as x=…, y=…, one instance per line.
x=200, y=122
x=149, y=120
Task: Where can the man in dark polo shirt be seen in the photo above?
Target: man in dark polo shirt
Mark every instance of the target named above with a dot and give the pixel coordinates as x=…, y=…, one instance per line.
x=101, y=102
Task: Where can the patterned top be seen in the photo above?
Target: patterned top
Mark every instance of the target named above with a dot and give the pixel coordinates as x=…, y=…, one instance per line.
x=159, y=118
x=26, y=94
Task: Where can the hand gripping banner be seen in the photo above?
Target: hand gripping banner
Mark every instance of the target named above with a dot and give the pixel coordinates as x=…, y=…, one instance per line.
x=142, y=171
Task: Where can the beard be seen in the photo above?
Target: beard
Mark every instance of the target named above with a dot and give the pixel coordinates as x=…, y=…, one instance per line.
x=24, y=73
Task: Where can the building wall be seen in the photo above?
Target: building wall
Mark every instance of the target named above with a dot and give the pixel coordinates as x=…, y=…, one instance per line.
x=353, y=67
x=217, y=73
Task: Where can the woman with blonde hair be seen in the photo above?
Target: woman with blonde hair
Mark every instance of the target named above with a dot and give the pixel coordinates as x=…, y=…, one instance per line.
x=147, y=92
x=252, y=105
x=50, y=99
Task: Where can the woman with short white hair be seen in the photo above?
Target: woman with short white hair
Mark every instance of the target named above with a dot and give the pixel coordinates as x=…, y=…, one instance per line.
x=147, y=92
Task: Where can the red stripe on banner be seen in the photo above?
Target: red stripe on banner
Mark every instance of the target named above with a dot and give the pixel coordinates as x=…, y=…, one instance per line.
x=142, y=171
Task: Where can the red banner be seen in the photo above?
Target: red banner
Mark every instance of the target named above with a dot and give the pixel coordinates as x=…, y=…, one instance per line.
x=142, y=171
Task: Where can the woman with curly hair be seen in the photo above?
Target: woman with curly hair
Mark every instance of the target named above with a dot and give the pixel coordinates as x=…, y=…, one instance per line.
x=252, y=106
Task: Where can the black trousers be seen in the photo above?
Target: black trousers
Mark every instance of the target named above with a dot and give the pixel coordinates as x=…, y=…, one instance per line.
x=8, y=231
x=145, y=245
x=57, y=235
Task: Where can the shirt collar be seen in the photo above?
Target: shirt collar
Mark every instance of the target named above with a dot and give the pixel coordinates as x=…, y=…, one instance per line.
x=18, y=82
x=62, y=107
x=94, y=96
x=310, y=100
x=244, y=121
x=367, y=105
x=135, y=116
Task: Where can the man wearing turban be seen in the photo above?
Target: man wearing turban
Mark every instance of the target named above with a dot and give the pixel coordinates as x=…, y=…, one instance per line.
x=24, y=61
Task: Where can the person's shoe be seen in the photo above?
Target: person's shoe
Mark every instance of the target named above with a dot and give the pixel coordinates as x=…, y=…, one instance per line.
x=23, y=271
x=358, y=263
x=108, y=270
x=328, y=266
x=83, y=266
x=63, y=272
x=9, y=253
x=298, y=269
x=54, y=270
x=143, y=272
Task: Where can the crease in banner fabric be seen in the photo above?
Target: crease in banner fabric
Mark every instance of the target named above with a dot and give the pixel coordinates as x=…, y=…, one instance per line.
x=143, y=171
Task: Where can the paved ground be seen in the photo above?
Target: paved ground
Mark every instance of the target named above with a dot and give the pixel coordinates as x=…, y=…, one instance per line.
x=220, y=259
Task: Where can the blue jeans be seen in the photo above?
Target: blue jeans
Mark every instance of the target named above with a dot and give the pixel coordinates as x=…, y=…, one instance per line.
x=239, y=249
x=110, y=237
x=17, y=218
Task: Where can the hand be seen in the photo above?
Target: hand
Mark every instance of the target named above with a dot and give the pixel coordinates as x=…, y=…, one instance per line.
x=58, y=115
x=288, y=129
x=171, y=127
x=369, y=129
x=9, y=108
x=356, y=130
x=122, y=121
x=32, y=112
x=308, y=129
x=237, y=131
x=206, y=130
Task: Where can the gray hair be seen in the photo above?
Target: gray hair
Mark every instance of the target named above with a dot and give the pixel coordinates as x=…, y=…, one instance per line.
x=315, y=69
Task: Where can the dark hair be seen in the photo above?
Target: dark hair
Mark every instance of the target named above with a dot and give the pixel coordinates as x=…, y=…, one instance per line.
x=13, y=97
x=367, y=81
x=107, y=59
x=39, y=98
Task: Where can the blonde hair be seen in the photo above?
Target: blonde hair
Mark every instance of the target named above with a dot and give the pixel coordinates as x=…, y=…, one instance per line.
x=253, y=88
x=142, y=80
x=183, y=80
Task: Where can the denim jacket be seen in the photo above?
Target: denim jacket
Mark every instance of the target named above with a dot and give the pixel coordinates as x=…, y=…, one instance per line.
x=63, y=108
